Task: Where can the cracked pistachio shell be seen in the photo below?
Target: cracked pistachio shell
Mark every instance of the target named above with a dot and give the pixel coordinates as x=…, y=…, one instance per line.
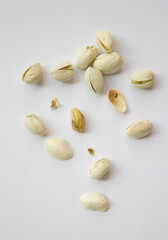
x=33, y=74
x=34, y=124
x=94, y=80
x=62, y=71
x=77, y=120
x=94, y=201
x=99, y=168
x=85, y=56
x=104, y=41
x=108, y=63
x=117, y=100
x=142, y=78
x=58, y=148
x=139, y=129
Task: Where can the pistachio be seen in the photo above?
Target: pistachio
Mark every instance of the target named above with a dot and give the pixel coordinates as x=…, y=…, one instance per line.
x=85, y=56
x=77, y=120
x=99, y=168
x=62, y=71
x=142, y=78
x=108, y=63
x=58, y=148
x=117, y=100
x=94, y=201
x=104, y=41
x=34, y=124
x=33, y=74
x=94, y=80
x=139, y=129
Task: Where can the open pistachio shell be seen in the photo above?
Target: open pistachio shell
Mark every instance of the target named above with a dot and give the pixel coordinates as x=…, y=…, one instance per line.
x=142, y=79
x=117, y=100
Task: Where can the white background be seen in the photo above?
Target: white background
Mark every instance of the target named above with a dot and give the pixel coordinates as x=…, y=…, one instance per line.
x=39, y=195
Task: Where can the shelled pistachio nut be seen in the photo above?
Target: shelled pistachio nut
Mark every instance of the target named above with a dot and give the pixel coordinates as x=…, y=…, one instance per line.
x=33, y=74
x=34, y=124
x=108, y=63
x=85, y=56
x=62, y=71
x=58, y=148
x=142, y=78
x=104, y=41
x=139, y=129
x=94, y=201
x=77, y=120
x=94, y=80
x=117, y=100
x=99, y=168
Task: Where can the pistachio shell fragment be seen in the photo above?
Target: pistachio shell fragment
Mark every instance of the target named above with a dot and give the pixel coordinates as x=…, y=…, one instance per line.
x=85, y=56
x=58, y=148
x=62, y=71
x=108, y=63
x=33, y=74
x=104, y=41
x=99, y=168
x=142, y=78
x=117, y=100
x=34, y=124
x=139, y=129
x=77, y=120
x=94, y=201
x=54, y=103
x=94, y=79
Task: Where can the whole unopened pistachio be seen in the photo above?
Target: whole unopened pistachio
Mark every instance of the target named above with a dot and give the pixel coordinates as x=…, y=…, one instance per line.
x=108, y=63
x=139, y=129
x=34, y=124
x=58, y=148
x=104, y=41
x=94, y=201
x=94, y=79
x=99, y=168
x=142, y=78
x=117, y=100
x=85, y=56
x=77, y=120
x=62, y=71
x=33, y=74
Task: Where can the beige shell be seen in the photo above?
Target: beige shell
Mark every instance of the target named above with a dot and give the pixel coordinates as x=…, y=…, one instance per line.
x=108, y=63
x=142, y=79
x=94, y=201
x=104, y=41
x=77, y=120
x=99, y=168
x=117, y=100
x=62, y=71
x=34, y=124
x=33, y=74
x=85, y=56
x=58, y=148
x=139, y=129
x=94, y=80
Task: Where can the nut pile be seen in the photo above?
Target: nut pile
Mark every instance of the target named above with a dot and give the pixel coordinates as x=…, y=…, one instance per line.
x=106, y=63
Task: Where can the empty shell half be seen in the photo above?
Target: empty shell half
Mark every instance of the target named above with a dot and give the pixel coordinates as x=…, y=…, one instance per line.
x=117, y=100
